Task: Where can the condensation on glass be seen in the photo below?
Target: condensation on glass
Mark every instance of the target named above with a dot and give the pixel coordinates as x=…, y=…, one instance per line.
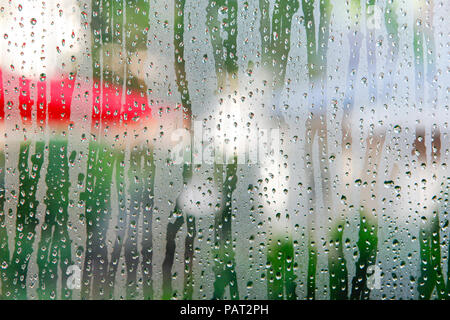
x=223, y=149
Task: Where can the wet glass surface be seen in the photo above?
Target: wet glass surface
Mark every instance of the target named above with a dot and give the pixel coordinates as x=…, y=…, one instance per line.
x=223, y=149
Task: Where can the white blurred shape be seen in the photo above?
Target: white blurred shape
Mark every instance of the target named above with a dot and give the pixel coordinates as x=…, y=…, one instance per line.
x=39, y=37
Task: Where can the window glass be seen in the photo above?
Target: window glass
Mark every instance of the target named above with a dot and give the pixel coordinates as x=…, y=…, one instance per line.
x=224, y=149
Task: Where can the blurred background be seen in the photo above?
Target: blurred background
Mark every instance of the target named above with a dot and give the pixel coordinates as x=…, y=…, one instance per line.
x=279, y=149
